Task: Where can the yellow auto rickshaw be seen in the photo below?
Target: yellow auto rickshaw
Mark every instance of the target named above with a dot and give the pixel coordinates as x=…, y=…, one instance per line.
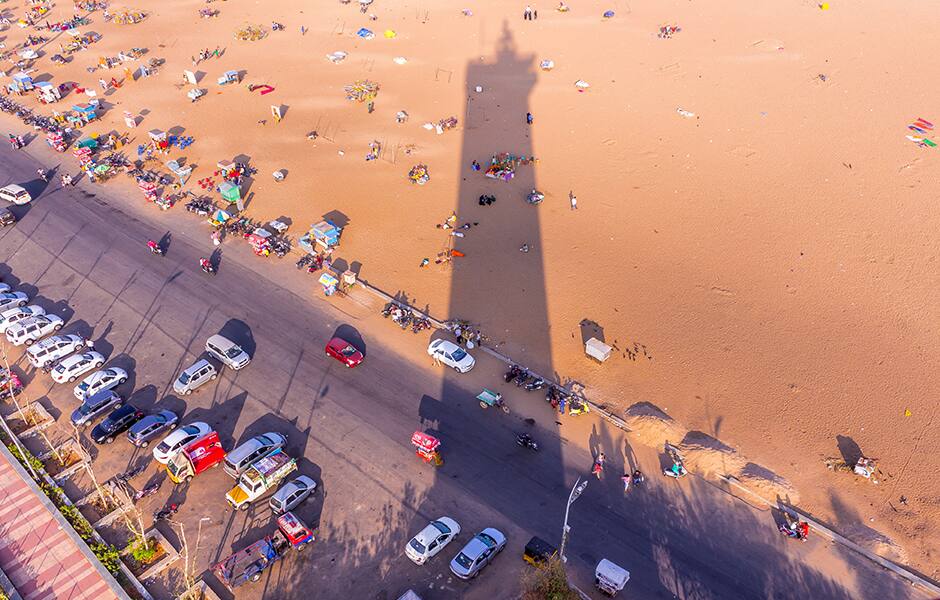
x=538, y=552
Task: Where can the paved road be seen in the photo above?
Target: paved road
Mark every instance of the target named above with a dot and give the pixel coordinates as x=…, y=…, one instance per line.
x=84, y=258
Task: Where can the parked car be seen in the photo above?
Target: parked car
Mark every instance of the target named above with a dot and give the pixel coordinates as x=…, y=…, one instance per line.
x=6, y=217
x=478, y=553
x=119, y=420
x=292, y=494
x=16, y=194
x=45, y=352
x=431, y=540
x=4, y=288
x=152, y=426
x=11, y=299
x=238, y=460
x=228, y=352
x=171, y=444
x=15, y=315
x=96, y=405
x=105, y=379
x=35, y=328
x=69, y=369
x=344, y=352
x=451, y=355
x=194, y=376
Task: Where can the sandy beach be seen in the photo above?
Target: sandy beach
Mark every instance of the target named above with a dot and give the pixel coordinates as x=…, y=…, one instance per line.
x=751, y=233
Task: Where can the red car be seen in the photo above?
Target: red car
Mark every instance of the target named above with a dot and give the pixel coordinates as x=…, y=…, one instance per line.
x=344, y=352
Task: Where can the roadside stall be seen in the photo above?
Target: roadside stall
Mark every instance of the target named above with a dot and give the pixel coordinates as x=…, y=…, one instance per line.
x=230, y=192
x=502, y=167
x=86, y=112
x=82, y=154
x=597, y=349
x=228, y=77
x=219, y=218
x=182, y=173
x=427, y=448
x=149, y=189
x=56, y=141
x=22, y=82
x=610, y=578
x=48, y=93
x=329, y=283
x=260, y=242
x=324, y=234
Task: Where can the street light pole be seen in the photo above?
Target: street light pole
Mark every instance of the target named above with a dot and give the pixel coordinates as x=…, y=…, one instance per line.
x=576, y=491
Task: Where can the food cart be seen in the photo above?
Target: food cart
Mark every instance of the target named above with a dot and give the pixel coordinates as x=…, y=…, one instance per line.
x=22, y=82
x=260, y=242
x=231, y=193
x=195, y=94
x=427, y=448
x=48, y=93
x=329, y=283
x=228, y=77
x=157, y=135
x=56, y=140
x=610, y=578
x=324, y=234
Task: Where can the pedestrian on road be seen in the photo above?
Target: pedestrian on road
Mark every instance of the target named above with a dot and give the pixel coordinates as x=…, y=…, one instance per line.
x=626, y=482
x=437, y=360
x=528, y=118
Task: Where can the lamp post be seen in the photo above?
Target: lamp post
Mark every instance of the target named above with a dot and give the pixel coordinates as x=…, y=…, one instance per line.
x=576, y=491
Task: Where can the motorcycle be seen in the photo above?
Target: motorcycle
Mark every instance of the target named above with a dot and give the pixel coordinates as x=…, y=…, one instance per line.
x=166, y=512
x=419, y=324
x=150, y=490
x=155, y=249
x=512, y=373
x=526, y=441
x=794, y=528
x=677, y=469
x=206, y=267
x=535, y=384
x=126, y=476
x=523, y=378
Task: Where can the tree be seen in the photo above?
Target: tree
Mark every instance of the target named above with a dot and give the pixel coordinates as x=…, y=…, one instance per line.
x=548, y=582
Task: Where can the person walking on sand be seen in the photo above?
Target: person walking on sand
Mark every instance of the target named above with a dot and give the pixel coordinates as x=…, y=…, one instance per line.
x=527, y=13
x=528, y=118
x=574, y=200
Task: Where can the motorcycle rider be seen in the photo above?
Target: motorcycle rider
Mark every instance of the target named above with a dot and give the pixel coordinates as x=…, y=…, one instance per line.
x=42, y=175
x=154, y=247
x=526, y=441
x=598, y=468
x=205, y=265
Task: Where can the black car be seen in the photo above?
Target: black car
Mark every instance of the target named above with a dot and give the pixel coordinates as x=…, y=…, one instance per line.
x=118, y=421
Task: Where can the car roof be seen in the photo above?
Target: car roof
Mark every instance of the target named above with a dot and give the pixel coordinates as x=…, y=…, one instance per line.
x=14, y=188
x=100, y=396
x=197, y=365
x=427, y=535
x=474, y=548
x=123, y=410
x=220, y=340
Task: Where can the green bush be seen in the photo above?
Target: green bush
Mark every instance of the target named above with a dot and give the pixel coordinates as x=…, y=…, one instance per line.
x=144, y=550
x=548, y=582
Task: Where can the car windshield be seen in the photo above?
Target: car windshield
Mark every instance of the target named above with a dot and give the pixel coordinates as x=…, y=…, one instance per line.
x=417, y=546
x=108, y=373
x=108, y=425
x=163, y=447
x=486, y=540
x=233, y=352
x=83, y=386
x=459, y=354
x=464, y=561
x=348, y=351
x=440, y=527
x=184, y=377
x=87, y=408
x=60, y=369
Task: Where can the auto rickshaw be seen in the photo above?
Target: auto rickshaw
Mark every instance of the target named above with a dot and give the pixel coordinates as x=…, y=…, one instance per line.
x=538, y=552
x=427, y=448
x=610, y=578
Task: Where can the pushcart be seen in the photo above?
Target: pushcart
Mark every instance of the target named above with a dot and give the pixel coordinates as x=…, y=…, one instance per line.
x=489, y=398
x=427, y=448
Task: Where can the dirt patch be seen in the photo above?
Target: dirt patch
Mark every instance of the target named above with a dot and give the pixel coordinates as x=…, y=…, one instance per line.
x=876, y=542
x=651, y=426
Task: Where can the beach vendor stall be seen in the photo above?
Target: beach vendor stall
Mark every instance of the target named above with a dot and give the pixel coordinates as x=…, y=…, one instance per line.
x=48, y=93
x=86, y=112
x=182, y=173
x=228, y=77
x=149, y=189
x=219, y=218
x=260, y=241
x=56, y=140
x=427, y=448
x=502, y=166
x=21, y=83
x=329, y=283
x=324, y=234
x=419, y=174
x=230, y=192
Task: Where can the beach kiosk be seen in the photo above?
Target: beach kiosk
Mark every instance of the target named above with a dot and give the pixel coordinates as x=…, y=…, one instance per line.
x=228, y=77
x=182, y=173
x=597, y=349
x=22, y=82
x=56, y=140
x=48, y=93
x=231, y=193
x=324, y=234
x=85, y=112
x=329, y=283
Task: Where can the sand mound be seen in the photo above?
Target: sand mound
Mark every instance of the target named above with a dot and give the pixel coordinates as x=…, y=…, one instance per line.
x=876, y=542
x=651, y=426
x=767, y=484
x=707, y=456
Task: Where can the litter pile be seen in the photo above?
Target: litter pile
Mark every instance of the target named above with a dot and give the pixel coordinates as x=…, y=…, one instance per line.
x=667, y=31
x=362, y=90
x=250, y=33
x=129, y=17
x=419, y=174
x=503, y=165
x=442, y=125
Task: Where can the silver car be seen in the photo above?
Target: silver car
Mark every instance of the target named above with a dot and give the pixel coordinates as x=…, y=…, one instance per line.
x=35, y=328
x=478, y=553
x=45, y=352
x=11, y=299
x=142, y=432
x=201, y=372
x=292, y=494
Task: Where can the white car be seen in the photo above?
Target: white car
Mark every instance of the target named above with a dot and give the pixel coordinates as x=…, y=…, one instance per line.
x=44, y=353
x=78, y=364
x=4, y=288
x=16, y=194
x=105, y=379
x=15, y=315
x=432, y=540
x=451, y=355
x=173, y=443
x=35, y=328
x=11, y=299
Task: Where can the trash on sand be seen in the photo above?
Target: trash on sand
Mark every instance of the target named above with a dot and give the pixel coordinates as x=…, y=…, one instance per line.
x=824, y=6
x=478, y=89
x=365, y=34
x=337, y=57
x=609, y=14
x=250, y=33
x=582, y=84
x=547, y=65
x=535, y=197
x=685, y=113
x=362, y=90
x=921, y=126
x=467, y=12
x=390, y=33
x=419, y=174
x=667, y=31
x=400, y=60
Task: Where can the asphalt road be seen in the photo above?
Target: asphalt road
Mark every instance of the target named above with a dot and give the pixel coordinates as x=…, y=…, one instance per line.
x=84, y=257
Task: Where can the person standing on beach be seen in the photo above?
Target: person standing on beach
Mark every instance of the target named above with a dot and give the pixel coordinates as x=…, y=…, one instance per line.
x=574, y=200
x=528, y=118
x=527, y=13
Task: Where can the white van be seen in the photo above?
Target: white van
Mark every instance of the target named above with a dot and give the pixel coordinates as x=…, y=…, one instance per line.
x=15, y=194
x=227, y=351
